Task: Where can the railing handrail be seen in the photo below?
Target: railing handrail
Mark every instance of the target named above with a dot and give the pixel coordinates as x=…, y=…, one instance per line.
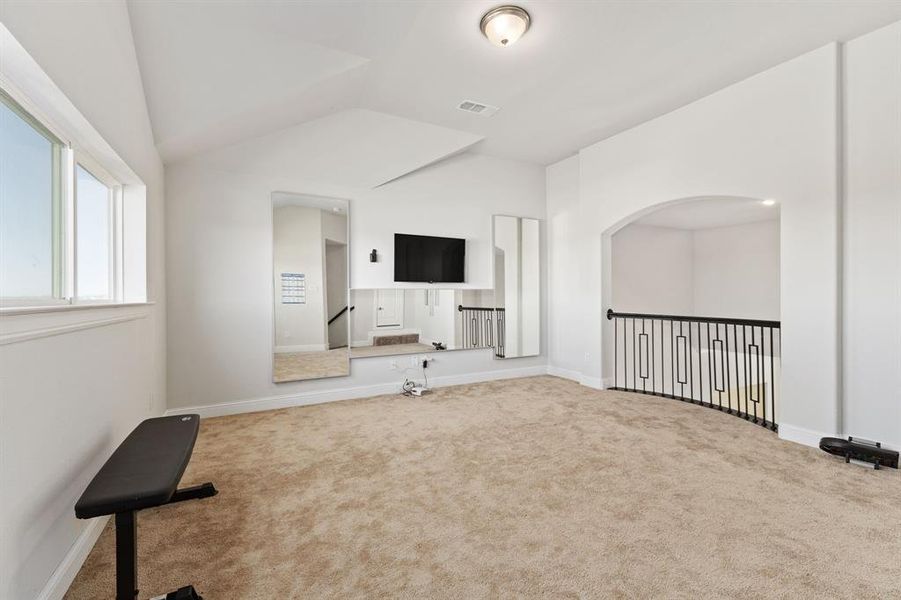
x=461, y=308
x=725, y=320
x=340, y=312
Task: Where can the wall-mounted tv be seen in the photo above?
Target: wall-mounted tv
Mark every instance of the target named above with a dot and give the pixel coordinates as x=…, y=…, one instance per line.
x=429, y=259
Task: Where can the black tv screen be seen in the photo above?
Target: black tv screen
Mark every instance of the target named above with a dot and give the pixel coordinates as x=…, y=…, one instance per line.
x=430, y=259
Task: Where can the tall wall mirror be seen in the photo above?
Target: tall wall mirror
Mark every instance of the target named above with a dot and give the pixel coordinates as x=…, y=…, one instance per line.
x=517, y=286
x=417, y=321
x=310, y=284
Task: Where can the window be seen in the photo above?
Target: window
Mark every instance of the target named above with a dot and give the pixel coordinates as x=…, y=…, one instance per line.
x=60, y=230
x=31, y=191
x=93, y=237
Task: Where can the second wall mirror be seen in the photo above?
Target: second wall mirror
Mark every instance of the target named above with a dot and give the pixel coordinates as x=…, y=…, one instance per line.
x=517, y=272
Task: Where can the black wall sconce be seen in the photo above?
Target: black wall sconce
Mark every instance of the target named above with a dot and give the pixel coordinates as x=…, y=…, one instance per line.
x=373, y=256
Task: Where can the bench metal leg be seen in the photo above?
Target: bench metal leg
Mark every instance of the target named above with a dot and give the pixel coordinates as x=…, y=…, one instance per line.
x=194, y=492
x=127, y=546
x=126, y=555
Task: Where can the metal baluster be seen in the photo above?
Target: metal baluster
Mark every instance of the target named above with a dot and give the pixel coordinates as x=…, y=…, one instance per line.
x=772, y=384
x=744, y=344
x=662, y=363
x=709, y=370
x=759, y=374
x=643, y=380
x=634, y=382
x=689, y=373
x=615, y=361
x=652, y=360
x=625, y=359
x=726, y=367
x=737, y=372
x=672, y=354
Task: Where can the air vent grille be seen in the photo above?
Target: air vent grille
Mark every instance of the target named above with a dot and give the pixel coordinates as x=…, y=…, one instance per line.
x=485, y=110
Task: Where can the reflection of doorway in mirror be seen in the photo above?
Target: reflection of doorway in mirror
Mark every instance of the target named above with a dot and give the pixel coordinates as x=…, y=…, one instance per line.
x=336, y=293
x=389, y=308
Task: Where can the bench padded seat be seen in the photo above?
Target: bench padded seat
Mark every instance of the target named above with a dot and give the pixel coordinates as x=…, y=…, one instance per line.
x=145, y=469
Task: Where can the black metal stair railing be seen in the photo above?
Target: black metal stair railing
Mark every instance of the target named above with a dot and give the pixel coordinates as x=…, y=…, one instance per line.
x=728, y=364
x=478, y=328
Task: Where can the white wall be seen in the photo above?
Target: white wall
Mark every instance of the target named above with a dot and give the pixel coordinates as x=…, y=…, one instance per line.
x=220, y=250
x=435, y=321
x=298, y=247
x=715, y=272
x=872, y=236
x=565, y=270
x=67, y=400
x=653, y=270
x=771, y=136
x=736, y=271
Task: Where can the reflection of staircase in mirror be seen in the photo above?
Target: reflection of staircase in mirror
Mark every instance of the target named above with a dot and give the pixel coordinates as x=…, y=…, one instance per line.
x=391, y=340
x=336, y=322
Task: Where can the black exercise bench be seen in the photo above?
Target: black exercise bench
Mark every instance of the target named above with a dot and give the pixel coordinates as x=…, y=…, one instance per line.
x=143, y=472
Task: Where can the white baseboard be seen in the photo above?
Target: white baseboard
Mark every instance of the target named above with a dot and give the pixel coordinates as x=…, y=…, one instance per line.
x=800, y=435
x=592, y=382
x=811, y=438
x=564, y=373
x=301, y=348
x=65, y=573
x=348, y=393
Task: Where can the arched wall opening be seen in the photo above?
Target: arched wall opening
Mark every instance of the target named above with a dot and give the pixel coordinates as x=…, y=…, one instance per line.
x=710, y=257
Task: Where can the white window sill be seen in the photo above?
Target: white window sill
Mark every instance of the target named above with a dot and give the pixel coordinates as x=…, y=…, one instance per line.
x=62, y=308
x=23, y=324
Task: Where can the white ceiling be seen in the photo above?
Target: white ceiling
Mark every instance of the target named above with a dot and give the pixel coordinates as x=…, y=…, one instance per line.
x=707, y=213
x=218, y=72
x=355, y=148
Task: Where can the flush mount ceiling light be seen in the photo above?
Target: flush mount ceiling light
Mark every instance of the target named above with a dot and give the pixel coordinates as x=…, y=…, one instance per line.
x=769, y=202
x=505, y=24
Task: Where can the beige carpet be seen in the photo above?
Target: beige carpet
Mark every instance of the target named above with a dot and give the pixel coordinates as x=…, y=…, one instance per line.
x=390, y=349
x=296, y=366
x=528, y=488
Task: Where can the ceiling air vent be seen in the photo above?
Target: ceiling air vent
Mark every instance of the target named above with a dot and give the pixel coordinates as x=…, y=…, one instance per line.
x=478, y=108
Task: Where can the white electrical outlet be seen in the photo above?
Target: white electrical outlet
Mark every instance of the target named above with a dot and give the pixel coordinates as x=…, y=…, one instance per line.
x=393, y=366
x=414, y=361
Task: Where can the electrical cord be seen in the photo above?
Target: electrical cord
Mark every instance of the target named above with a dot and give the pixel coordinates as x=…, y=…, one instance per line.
x=409, y=384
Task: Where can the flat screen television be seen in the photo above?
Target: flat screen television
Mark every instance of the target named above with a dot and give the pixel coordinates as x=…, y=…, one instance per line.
x=429, y=259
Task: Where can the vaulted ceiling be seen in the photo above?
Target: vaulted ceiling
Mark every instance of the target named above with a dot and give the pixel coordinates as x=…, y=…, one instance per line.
x=219, y=72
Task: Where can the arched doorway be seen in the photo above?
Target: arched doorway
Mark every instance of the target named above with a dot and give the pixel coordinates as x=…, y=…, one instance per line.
x=692, y=293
